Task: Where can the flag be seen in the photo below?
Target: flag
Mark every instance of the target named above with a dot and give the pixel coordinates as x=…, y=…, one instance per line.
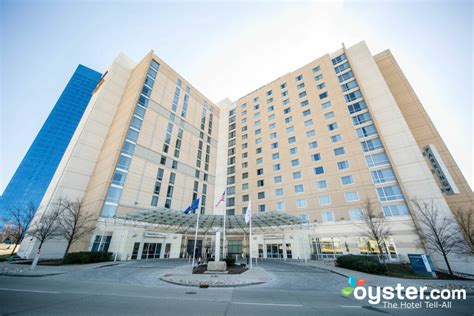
x=248, y=214
x=191, y=208
x=221, y=199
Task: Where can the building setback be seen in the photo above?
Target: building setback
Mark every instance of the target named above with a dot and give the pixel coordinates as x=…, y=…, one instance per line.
x=317, y=143
x=32, y=177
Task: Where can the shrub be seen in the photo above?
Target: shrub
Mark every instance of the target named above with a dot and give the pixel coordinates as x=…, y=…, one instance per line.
x=87, y=257
x=361, y=263
x=230, y=261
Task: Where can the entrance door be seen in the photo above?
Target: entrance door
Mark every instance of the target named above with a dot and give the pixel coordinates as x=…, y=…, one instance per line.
x=167, y=250
x=288, y=251
x=151, y=250
x=190, y=248
x=136, y=247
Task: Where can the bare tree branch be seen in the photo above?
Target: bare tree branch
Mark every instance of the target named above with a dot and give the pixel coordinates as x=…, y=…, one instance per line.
x=47, y=227
x=19, y=221
x=465, y=220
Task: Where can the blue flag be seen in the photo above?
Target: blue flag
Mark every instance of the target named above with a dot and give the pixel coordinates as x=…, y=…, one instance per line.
x=193, y=207
x=187, y=210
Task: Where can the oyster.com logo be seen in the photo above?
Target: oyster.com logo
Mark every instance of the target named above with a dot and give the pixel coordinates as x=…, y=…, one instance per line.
x=352, y=285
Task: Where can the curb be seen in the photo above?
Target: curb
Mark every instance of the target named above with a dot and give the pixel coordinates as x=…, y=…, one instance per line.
x=212, y=285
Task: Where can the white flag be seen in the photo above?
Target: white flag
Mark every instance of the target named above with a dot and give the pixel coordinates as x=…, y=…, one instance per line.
x=248, y=214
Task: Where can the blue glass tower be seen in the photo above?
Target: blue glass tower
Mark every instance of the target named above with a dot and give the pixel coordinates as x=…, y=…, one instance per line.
x=31, y=179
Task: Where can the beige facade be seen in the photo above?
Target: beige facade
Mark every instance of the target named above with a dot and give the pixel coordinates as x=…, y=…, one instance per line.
x=318, y=143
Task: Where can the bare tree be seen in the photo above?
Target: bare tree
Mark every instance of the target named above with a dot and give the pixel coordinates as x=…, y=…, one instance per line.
x=375, y=226
x=19, y=221
x=74, y=223
x=466, y=222
x=440, y=233
x=47, y=227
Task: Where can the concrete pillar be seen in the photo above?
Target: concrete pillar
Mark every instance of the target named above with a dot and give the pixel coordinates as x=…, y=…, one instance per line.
x=217, y=250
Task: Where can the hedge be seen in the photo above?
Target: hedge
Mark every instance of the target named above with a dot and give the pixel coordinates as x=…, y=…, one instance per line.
x=87, y=257
x=361, y=263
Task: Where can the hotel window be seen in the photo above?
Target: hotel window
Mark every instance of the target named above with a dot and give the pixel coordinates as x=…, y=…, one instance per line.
x=258, y=150
x=243, y=113
x=395, y=210
x=348, y=86
x=169, y=192
x=244, y=120
x=284, y=93
x=295, y=162
x=316, y=157
x=356, y=213
x=229, y=191
x=259, y=161
x=300, y=86
x=318, y=77
x=245, y=164
x=244, y=145
x=328, y=216
x=329, y=115
x=299, y=78
x=260, y=183
x=279, y=192
x=256, y=107
x=361, y=118
x=316, y=69
x=286, y=101
x=258, y=140
x=336, y=138
x=277, y=179
x=313, y=145
x=269, y=92
x=274, y=145
x=319, y=170
x=283, y=85
x=301, y=203
x=382, y=176
x=259, y=171
x=271, y=117
x=273, y=135
x=243, y=105
x=324, y=200
x=276, y=167
x=321, y=86
x=244, y=137
x=308, y=122
x=306, y=113
x=353, y=96
x=258, y=131
x=270, y=100
x=119, y=177
x=390, y=193
x=357, y=107
x=366, y=131
x=288, y=119
x=351, y=196
x=245, y=186
x=371, y=144
x=311, y=133
x=304, y=103
x=245, y=175
x=347, y=180
x=291, y=139
x=302, y=94
x=272, y=126
x=245, y=198
x=345, y=76
x=299, y=188
x=256, y=115
x=280, y=206
x=339, y=151
x=286, y=111
x=332, y=127
x=275, y=156
x=270, y=108
x=326, y=105
x=376, y=160
x=338, y=59
x=293, y=151
x=342, y=165
x=297, y=175
x=341, y=68
x=321, y=184
x=262, y=208
x=255, y=99
x=323, y=95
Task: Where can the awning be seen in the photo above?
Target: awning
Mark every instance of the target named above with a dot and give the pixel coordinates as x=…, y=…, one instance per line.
x=180, y=223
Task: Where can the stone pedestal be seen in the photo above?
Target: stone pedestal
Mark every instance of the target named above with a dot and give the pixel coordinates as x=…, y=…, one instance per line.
x=217, y=266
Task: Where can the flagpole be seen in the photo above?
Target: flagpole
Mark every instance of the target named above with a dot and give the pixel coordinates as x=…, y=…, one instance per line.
x=223, y=237
x=195, y=237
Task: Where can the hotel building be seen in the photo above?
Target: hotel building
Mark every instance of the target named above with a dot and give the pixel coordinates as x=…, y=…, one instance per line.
x=319, y=144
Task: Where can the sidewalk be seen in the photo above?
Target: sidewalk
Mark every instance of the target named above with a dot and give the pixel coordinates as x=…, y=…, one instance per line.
x=23, y=270
x=183, y=276
x=380, y=280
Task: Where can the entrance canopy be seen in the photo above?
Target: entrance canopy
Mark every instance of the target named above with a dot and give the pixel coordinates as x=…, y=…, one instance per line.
x=181, y=223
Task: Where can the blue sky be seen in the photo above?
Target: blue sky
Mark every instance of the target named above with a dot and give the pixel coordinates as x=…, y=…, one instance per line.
x=227, y=49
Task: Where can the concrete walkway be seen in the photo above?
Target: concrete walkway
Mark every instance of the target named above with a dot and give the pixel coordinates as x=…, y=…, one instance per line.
x=380, y=280
x=16, y=269
x=182, y=276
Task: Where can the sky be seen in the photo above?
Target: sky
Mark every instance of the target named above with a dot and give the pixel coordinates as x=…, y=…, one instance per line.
x=228, y=49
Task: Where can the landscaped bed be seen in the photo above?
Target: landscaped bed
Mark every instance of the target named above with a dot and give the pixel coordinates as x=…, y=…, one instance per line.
x=235, y=269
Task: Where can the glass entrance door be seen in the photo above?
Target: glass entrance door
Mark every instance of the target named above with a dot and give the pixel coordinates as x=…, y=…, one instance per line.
x=151, y=250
